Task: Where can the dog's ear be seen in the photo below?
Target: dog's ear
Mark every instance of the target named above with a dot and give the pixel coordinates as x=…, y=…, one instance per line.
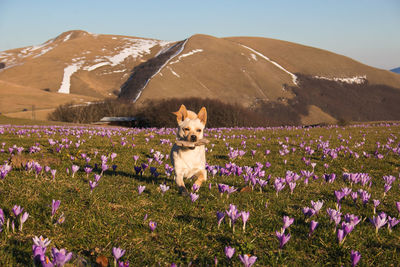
x=181, y=114
x=202, y=115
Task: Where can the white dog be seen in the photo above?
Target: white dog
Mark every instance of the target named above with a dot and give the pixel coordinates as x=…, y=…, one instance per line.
x=189, y=161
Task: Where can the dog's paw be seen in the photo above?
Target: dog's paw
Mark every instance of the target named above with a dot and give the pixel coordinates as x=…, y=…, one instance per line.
x=183, y=191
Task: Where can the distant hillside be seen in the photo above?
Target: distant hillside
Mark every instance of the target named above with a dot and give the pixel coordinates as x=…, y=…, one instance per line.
x=82, y=67
x=396, y=70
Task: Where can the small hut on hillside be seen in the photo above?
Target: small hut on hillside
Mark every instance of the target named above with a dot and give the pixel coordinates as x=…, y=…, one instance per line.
x=118, y=121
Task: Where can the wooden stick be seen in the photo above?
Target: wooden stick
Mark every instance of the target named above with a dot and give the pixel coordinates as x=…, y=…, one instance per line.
x=200, y=142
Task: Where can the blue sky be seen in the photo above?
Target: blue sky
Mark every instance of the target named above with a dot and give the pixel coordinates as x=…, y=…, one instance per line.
x=365, y=30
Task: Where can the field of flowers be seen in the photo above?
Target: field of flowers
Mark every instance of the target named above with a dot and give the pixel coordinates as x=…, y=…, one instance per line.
x=275, y=196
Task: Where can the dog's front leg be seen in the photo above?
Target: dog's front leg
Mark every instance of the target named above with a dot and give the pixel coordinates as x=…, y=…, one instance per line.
x=181, y=184
x=201, y=177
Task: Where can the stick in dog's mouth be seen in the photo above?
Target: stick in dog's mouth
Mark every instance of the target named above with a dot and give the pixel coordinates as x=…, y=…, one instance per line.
x=191, y=145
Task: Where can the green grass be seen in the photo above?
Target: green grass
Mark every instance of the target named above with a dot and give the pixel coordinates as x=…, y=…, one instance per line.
x=113, y=214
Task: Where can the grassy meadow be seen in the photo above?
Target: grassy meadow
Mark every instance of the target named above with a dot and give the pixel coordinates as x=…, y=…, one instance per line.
x=268, y=172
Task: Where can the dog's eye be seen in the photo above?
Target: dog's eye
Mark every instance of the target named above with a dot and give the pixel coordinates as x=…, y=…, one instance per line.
x=186, y=129
x=198, y=130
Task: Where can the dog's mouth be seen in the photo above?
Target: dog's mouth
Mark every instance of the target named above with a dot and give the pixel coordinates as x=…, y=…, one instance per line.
x=187, y=139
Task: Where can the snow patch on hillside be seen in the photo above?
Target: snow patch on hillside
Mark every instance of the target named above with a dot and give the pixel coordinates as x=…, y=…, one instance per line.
x=186, y=55
x=43, y=51
x=294, y=77
x=67, y=37
x=135, y=48
x=173, y=72
x=36, y=50
x=350, y=80
x=98, y=65
x=8, y=59
x=66, y=82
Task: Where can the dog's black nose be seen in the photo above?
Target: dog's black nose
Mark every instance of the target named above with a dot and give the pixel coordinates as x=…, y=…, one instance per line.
x=193, y=138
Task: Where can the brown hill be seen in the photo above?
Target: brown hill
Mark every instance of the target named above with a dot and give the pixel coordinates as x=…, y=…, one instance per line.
x=90, y=66
x=248, y=70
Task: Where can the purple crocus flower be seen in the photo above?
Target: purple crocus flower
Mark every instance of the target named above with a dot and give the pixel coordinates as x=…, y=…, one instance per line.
x=92, y=185
x=339, y=195
x=317, y=206
x=376, y=204
x=233, y=214
x=222, y=188
x=347, y=228
x=220, y=217
x=38, y=254
x=278, y=186
x=118, y=253
x=387, y=187
x=88, y=170
x=340, y=236
x=152, y=225
x=23, y=219
x=346, y=191
x=247, y=260
x=53, y=173
x=74, y=169
x=61, y=219
x=103, y=158
x=104, y=167
x=138, y=170
x=230, y=190
x=123, y=264
x=378, y=221
x=153, y=170
x=2, y=218
x=135, y=158
x=47, y=263
x=54, y=206
x=164, y=188
x=41, y=241
x=392, y=222
x=60, y=257
x=195, y=187
x=144, y=166
x=355, y=257
x=307, y=211
x=398, y=207
x=229, y=251
x=17, y=210
x=365, y=196
x=245, y=217
x=313, y=225
x=287, y=221
x=141, y=188
x=97, y=177
x=292, y=186
x=193, y=197
x=113, y=156
x=354, y=196
x=283, y=239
